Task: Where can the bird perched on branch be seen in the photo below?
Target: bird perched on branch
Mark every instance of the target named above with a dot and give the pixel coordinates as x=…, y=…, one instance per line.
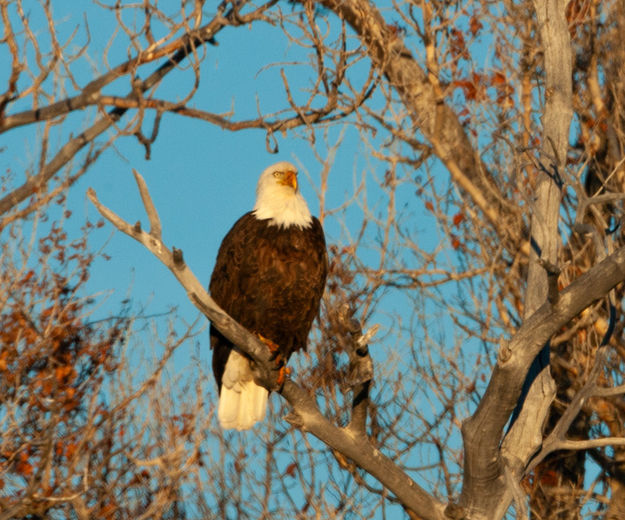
x=269, y=276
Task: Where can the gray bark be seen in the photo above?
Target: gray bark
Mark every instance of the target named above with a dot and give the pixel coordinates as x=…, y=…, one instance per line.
x=485, y=464
x=526, y=434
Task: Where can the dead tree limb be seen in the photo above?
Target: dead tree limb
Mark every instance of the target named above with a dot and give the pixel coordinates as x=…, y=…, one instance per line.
x=305, y=413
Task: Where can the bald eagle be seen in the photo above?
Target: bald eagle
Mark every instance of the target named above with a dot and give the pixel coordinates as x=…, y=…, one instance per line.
x=269, y=276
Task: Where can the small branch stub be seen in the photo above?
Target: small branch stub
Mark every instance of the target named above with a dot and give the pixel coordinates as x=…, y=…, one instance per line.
x=178, y=257
x=294, y=419
x=454, y=512
x=504, y=352
x=364, y=340
x=356, y=345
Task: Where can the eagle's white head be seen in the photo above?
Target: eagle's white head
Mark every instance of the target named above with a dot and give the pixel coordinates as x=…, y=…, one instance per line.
x=278, y=199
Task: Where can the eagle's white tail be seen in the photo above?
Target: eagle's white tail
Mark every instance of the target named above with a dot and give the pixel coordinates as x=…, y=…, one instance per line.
x=242, y=403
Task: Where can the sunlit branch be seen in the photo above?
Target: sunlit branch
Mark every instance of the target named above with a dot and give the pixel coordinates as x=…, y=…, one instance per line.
x=305, y=414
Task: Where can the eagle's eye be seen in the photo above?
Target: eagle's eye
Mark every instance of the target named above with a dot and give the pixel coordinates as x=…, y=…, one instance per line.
x=276, y=174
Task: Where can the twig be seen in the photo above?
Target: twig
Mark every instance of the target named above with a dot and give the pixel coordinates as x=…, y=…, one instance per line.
x=557, y=438
x=155, y=221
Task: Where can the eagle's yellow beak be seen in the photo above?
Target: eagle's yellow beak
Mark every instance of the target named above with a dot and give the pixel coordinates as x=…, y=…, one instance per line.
x=290, y=179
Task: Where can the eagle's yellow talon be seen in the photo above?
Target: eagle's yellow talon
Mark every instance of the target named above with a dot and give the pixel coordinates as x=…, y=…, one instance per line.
x=277, y=358
x=270, y=344
x=284, y=371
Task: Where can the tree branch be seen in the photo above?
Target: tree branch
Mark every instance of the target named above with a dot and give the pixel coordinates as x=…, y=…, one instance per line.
x=483, y=431
x=428, y=111
x=306, y=415
x=183, y=48
x=545, y=311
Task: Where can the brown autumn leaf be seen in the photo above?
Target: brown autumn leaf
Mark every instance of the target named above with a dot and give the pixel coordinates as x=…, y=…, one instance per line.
x=458, y=218
x=475, y=25
x=290, y=469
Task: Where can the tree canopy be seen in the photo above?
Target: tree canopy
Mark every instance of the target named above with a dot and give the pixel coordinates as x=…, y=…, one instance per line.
x=468, y=358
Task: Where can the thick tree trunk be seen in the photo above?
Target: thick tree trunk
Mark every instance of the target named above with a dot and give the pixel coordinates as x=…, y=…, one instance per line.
x=525, y=436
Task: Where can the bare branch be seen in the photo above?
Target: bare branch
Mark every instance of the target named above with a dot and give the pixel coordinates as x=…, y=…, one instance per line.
x=148, y=204
x=305, y=413
x=427, y=109
x=181, y=49
x=483, y=431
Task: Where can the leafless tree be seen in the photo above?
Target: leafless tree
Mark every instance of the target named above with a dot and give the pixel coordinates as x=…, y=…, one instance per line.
x=516, y=164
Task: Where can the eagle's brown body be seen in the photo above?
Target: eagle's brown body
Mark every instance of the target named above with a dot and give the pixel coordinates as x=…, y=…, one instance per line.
x=270, y=279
